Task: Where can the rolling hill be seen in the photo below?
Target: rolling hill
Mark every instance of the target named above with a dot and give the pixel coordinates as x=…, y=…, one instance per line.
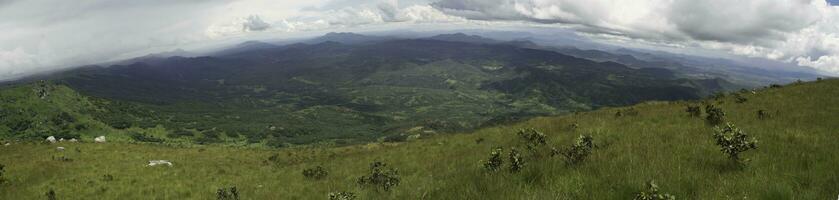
x=795, y=158
x=347, y=88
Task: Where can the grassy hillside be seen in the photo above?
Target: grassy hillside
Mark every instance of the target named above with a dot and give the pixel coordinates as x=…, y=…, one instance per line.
x=795, y=159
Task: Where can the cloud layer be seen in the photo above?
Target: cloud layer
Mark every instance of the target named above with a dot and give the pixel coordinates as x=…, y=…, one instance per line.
x=47, y=34
x=801, y=31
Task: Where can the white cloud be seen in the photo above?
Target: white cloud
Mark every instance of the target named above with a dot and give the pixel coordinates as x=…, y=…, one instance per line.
x=776, y=29
x=44, y=34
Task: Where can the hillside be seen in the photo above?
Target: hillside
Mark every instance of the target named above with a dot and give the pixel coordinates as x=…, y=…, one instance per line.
x=795, y=159
x=344, y=91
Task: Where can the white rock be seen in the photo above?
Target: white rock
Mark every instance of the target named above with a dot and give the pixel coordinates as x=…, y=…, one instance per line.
x=8, y=144
x=73, y=140
x=153, y=163
x=51, y=139
x=59, y=148
x=61, y=139
x=100, y=139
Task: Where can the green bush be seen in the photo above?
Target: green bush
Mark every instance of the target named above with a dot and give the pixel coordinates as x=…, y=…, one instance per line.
x=533, y=137
x=51, y=195
x=227, y=194
x=516, y=161
x=380, y=177
x=740, y=99
x=652, y=193
x=733, y=141
x=715, y=115
x=694, y=111
x=144, y=138
x=578, y=152
x=341, y=196
x=315, y=173
x=495, y=162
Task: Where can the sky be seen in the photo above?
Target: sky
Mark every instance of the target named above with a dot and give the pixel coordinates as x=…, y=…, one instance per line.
x=43, y=35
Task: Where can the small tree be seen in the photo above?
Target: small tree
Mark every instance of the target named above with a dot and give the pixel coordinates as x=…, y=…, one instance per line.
x=516, y=161
x=341, y=196
x=694, y=111
x=380, y=177
x=733, y=141
x=533, y=137
x=579, y=150
x=227, y=194
x=495, y=162
x=715, y=115
x=315, y=173
x=652, y=193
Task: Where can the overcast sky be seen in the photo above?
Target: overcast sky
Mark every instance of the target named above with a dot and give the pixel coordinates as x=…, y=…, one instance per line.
x=39, y=35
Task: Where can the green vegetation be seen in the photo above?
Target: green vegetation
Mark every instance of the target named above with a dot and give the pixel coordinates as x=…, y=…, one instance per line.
x=652, y=193
x=733, y=141
x=315, y=173
x=796, y=159
x=332, y=93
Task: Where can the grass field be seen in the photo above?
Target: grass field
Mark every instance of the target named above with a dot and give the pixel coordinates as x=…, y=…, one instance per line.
x=796, y=158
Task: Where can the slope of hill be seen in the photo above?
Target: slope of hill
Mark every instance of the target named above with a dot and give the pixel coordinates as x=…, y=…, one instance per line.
x=354, y=93
x=795, y=159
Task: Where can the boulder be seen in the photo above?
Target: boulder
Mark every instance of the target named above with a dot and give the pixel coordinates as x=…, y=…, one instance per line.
x=59, y=148
x=51, y=139
x=100, y=139
x=73, y=140
x=153, y=163
x=61, y=139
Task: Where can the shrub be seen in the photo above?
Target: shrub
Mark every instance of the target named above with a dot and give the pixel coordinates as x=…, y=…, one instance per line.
x=139, y=137
x=819, y=79
x=227, y=194
x=740, y=99
x=579, y=150
x=315, y=173
x=573, y=126
x=341, y=196
x=180, y=133
x=715, y=115
x=50, y=195
x=494, y=163
x=733, y=141
x=762, y=114
x=107, y=177
x=380, y=177
x=694, y=111
x=533, y=137
x=516, y=162
x=652, y=193
x=775, y=86
x=2, y=172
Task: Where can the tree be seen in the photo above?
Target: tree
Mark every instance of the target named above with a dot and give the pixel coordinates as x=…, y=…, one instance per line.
x=733, y=141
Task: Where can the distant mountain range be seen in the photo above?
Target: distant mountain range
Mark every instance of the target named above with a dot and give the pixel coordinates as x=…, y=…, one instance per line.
x=352, y=88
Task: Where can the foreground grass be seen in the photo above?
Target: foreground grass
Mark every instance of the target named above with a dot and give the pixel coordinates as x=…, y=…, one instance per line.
x=796, y=159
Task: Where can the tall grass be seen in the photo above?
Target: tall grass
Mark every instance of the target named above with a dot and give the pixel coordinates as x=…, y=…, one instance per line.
x=796, y=159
